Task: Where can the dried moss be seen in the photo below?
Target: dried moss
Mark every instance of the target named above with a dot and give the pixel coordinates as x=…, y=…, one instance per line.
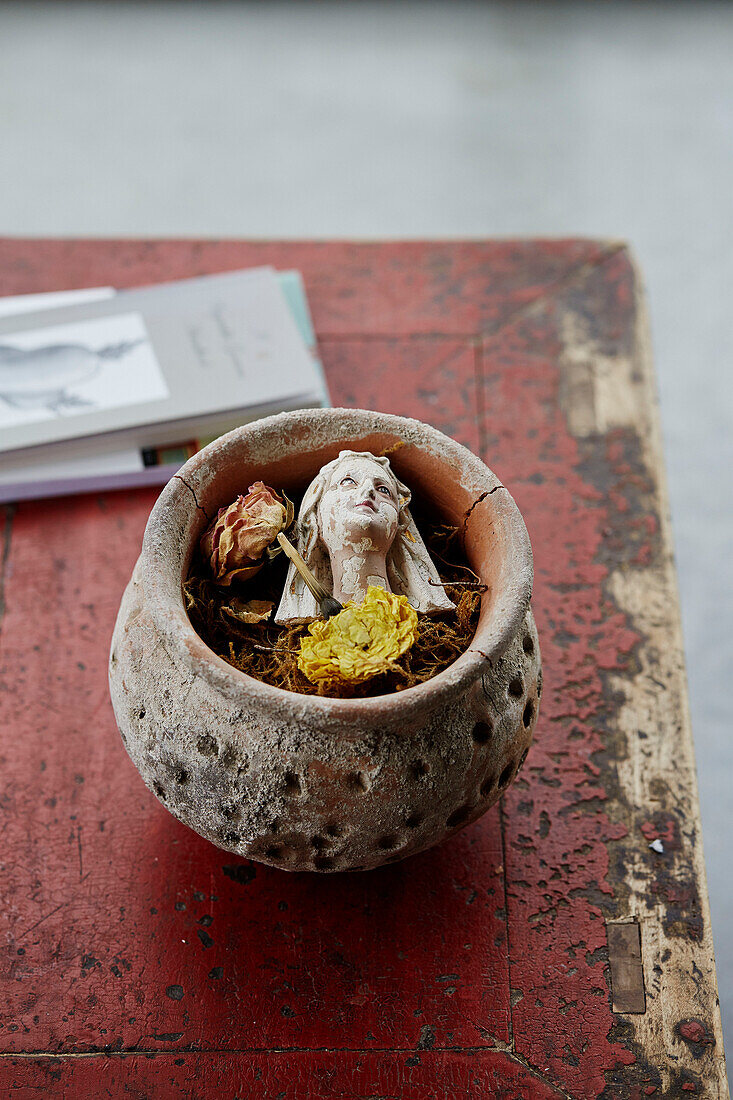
x=269, y=652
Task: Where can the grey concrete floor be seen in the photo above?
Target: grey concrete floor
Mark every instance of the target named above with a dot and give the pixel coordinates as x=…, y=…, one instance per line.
x=424, y=119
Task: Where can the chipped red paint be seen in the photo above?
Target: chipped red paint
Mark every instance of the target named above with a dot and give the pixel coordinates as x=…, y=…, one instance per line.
x=477, y=969
x=559, y=886
x=289, y=1075
x=368, y=289
x=662, y=827
x=696, y=1033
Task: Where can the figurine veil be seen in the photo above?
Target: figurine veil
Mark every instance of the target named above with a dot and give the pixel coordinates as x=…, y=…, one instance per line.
x=354, y=528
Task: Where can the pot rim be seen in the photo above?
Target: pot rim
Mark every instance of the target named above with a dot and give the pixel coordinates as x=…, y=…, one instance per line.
x=173, y=523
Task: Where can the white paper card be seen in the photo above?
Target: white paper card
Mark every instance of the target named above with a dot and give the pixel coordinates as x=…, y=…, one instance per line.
x=54, y=299
x=77, y=369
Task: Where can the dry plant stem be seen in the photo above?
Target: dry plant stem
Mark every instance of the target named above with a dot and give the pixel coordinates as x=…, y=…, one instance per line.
x=476, y=585
x=273, y=649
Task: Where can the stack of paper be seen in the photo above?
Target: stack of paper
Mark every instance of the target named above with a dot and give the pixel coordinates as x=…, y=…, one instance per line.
x=105, y=389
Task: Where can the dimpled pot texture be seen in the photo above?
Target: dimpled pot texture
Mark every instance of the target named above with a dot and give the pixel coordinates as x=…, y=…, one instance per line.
x=302, y=782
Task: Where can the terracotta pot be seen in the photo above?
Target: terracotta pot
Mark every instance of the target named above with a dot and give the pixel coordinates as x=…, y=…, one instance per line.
x=319, y=784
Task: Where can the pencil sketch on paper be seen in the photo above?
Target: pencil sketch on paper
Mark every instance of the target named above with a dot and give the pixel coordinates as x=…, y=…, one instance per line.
x=76, y=368
x=49, y=375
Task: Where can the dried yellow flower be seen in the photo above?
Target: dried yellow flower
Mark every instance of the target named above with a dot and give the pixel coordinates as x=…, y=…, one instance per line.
x=360, y=642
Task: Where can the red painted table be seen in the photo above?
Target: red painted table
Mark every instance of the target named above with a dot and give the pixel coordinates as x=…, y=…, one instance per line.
x=547, y=950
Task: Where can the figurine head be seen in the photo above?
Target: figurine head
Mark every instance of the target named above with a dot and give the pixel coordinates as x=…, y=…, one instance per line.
x=356, y=506
x=359, y=507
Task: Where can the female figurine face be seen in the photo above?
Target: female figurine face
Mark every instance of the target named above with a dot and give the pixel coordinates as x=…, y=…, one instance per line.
x=355, y=532
x=359, y=509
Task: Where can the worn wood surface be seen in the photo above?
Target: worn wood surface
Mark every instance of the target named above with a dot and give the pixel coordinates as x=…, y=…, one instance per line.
x=139, y=960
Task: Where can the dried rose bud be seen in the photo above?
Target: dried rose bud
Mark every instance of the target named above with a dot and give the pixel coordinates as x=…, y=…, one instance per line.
x=235, y=543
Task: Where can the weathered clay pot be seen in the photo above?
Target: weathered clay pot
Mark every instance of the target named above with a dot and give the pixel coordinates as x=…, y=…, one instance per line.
x=320, y=784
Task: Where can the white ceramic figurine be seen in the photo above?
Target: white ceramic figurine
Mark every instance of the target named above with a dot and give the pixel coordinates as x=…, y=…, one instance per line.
x=354, y=530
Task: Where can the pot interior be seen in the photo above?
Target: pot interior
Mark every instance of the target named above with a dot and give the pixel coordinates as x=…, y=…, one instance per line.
x=439, y=481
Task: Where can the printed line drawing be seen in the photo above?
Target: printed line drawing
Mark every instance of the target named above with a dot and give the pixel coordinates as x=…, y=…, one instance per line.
x=77, y=368
x=47, y=376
